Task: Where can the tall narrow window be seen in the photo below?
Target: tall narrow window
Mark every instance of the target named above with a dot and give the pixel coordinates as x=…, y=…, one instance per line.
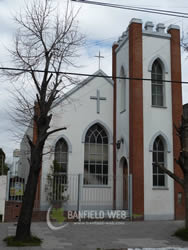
x=61, y=156
x=96, y=156
x=59, y=182
x=158, y=157
x=157, y=84
x=122, y=91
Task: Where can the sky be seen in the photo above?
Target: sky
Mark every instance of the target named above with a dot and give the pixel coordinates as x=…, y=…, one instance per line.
x=101, y=27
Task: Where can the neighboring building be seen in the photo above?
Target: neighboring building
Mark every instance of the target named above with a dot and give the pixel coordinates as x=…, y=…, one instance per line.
x=120, y=128
x=15, y=164
x=3, y=188
x=23, y=169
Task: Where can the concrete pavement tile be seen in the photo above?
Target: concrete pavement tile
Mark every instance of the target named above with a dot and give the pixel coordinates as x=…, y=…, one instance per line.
x=58, y=248
x=12, y=248
x=142, y=242
x=66, y=244
x=91, y=237
x=33, y=248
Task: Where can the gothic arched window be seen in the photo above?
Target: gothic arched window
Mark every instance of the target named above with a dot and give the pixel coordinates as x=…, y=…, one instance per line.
x=159, y=158
x=61, y=156
x=157, y=84
x=96, y=156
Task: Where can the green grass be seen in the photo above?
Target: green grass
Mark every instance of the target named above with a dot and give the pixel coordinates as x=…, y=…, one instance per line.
x=32, y=241
x=182, y=233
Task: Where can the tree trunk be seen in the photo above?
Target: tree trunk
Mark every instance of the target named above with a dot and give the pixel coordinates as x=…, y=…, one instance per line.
x=186, y=200
x=184, y=147
x=24, y=222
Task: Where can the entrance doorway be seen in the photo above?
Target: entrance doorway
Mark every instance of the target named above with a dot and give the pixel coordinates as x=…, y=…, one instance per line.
x=124, y=165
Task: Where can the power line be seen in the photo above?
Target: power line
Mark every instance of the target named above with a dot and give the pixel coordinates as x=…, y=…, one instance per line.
x=140, y=9
x=91, y=75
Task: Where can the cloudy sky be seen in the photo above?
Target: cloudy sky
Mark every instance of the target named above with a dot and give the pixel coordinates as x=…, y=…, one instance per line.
x=102, y=26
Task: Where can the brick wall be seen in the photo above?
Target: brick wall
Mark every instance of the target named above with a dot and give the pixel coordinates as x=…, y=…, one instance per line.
x=136, y=117
x=12, y=211
x=176, y=114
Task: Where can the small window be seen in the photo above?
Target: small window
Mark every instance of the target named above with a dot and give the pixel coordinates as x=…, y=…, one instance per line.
x=158, y=157
x=157, y=84
x=122, y=88
x=96, y=156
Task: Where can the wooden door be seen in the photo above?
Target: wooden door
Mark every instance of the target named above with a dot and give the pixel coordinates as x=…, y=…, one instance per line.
x=125, y=186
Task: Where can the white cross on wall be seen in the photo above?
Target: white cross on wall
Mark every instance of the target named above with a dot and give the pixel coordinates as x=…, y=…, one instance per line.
x=98, y=99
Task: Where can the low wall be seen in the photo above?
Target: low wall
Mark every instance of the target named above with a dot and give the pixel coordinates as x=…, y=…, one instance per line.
x=12, y=211
x=3, y=184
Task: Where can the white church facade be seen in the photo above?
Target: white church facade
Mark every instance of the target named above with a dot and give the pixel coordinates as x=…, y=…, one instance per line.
x=117, y=128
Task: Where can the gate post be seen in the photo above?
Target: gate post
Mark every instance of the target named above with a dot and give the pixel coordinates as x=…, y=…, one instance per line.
x=8, y=186
x=130, y=196
x=80, y=184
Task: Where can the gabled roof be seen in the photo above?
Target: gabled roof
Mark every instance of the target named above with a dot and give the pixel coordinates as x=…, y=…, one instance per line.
x=99, y=73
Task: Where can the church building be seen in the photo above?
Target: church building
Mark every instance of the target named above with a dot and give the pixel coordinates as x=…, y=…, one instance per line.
x=118, y=128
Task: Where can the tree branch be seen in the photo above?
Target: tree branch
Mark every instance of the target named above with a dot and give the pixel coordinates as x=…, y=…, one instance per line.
x=180, y=162
x=172, y=175
x=55, y=130
x=30, y=141
x=178, y=130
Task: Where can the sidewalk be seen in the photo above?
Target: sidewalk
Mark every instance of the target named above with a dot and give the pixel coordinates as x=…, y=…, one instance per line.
x=144, y=234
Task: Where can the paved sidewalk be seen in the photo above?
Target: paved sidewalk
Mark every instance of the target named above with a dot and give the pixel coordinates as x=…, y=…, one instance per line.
x=145, y=234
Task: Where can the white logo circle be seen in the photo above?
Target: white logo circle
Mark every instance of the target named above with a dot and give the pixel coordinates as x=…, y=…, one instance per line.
x=52, y=227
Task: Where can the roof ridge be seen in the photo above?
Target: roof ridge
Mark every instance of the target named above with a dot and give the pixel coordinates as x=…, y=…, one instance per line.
x=81, y=84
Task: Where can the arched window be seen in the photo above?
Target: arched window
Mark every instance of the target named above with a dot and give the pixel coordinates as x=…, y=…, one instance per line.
x=157, y=84
x=59, y=180
x=61, y=156
x=159, y=158
x=122, y=91
x=96, y=156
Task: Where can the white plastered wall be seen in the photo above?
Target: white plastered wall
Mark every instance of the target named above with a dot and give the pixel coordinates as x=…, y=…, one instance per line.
x=77, y=113
x=158, y=203
x=122, y=130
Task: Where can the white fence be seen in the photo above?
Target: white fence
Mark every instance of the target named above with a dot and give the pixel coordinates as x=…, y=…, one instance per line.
x=15, y=188
x=89, y=192
x=79, y=192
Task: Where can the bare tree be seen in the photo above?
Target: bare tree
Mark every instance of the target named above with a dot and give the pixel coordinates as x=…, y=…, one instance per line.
x=182, y=132
x=45, y=42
